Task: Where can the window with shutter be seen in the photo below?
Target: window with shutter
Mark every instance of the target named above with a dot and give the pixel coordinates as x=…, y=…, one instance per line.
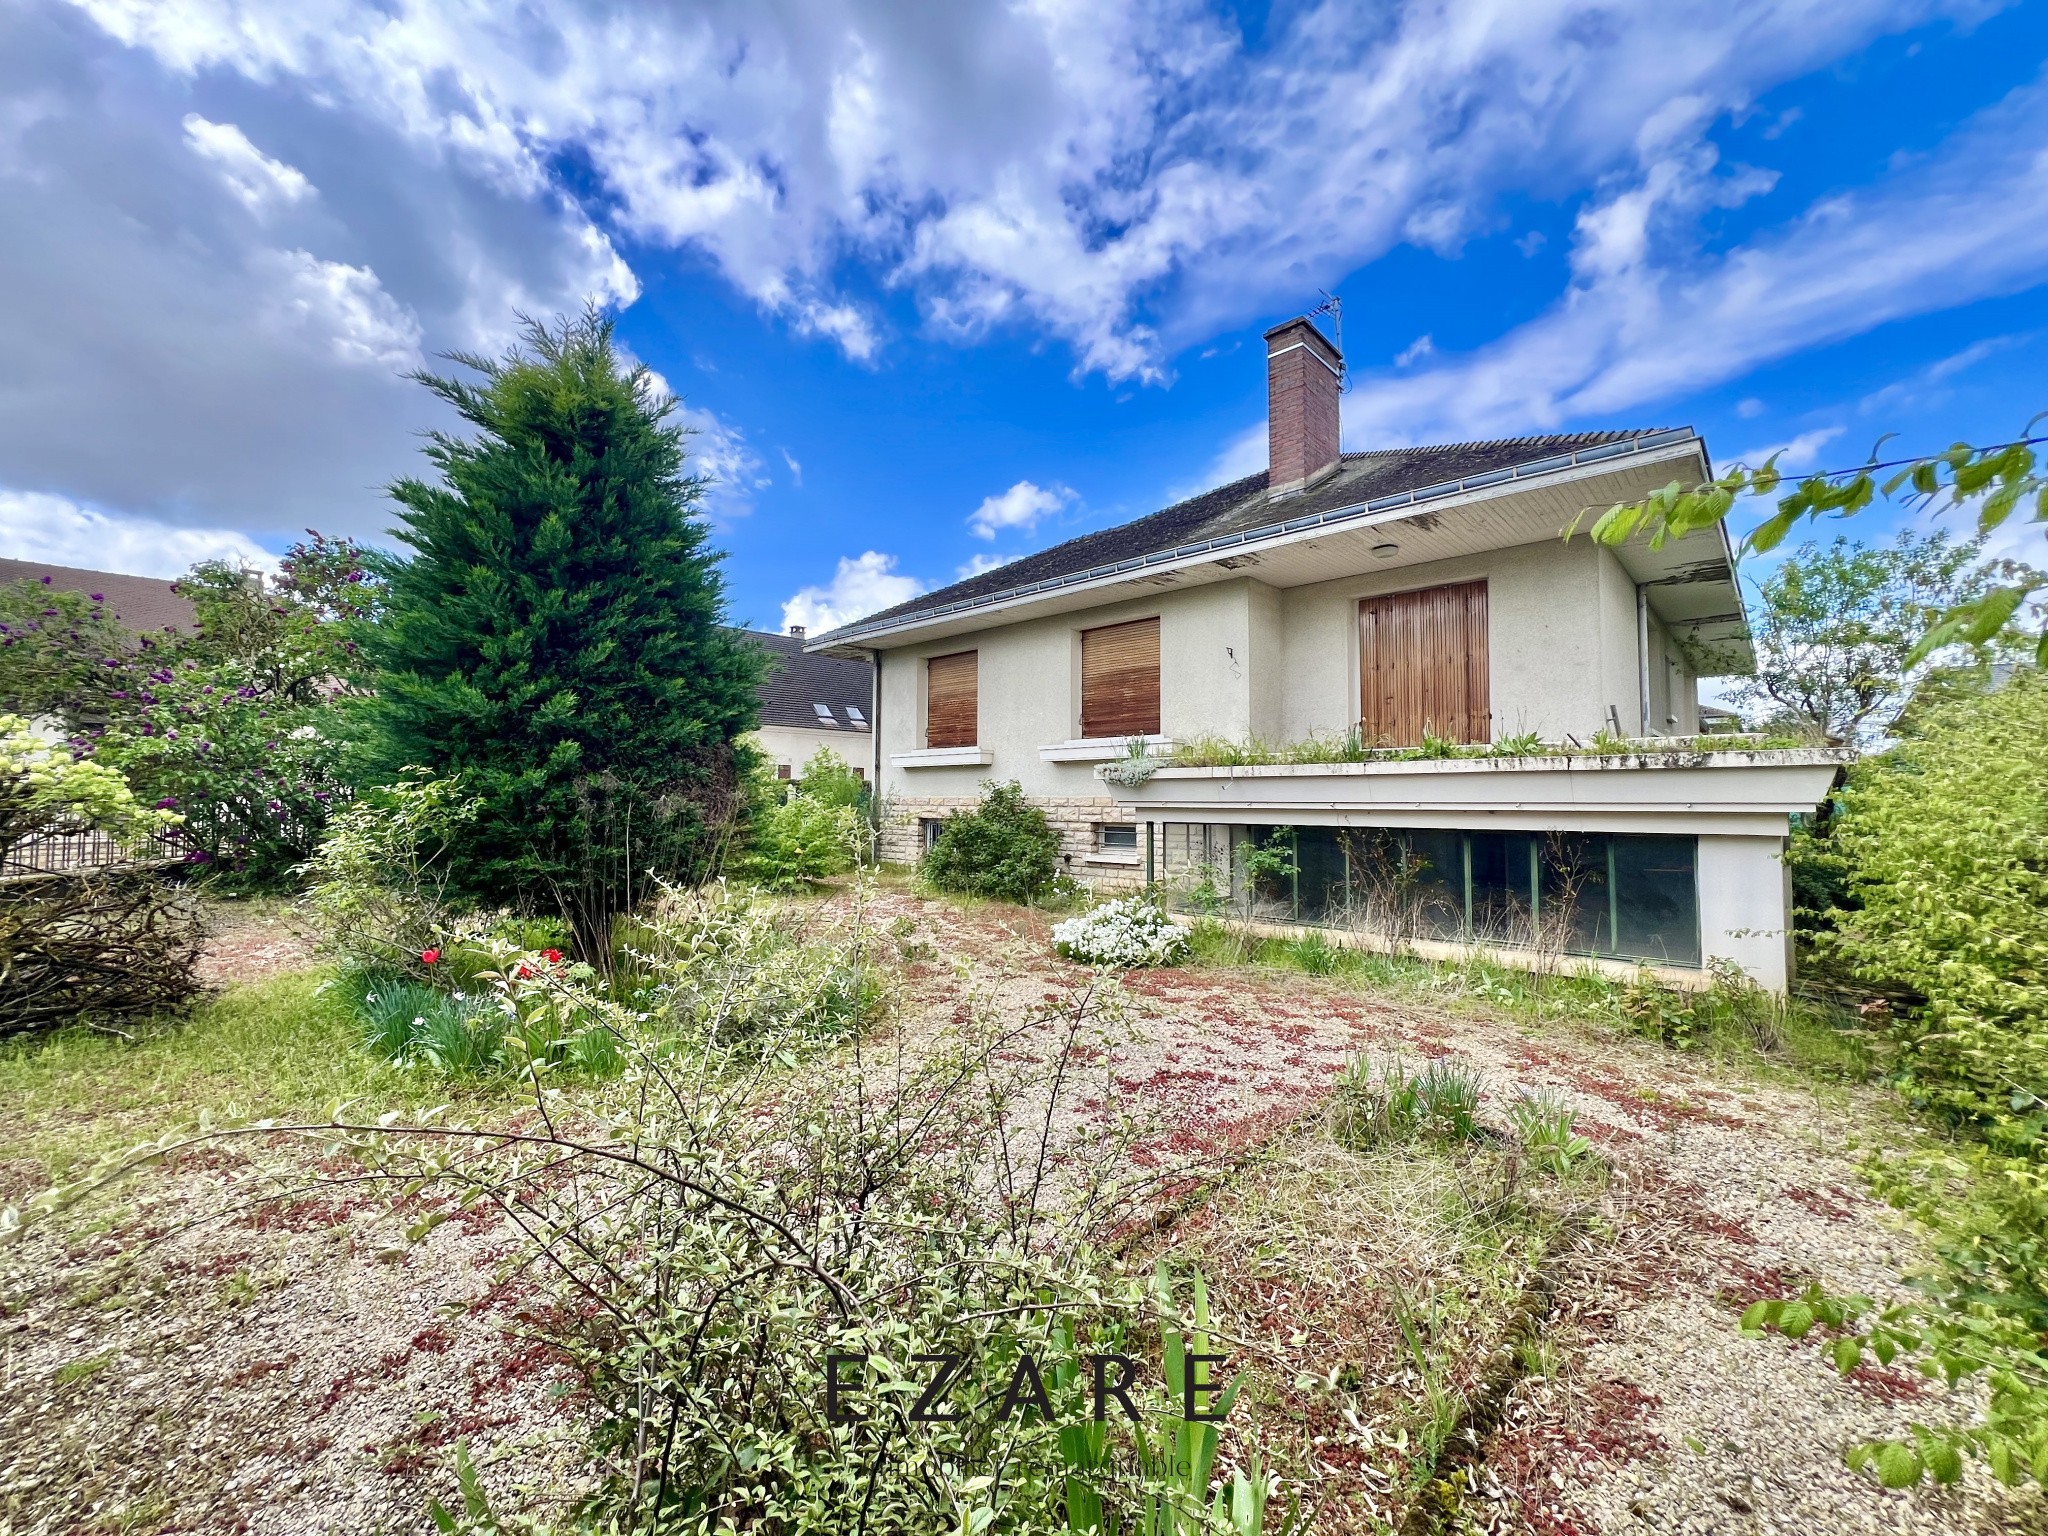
x=1422, y=666
x=1120, y=679
x=952, y=709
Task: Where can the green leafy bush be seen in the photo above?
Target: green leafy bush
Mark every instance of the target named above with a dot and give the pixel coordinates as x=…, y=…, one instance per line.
x=801, y=839
x=1945, y=847
x=245, y=726
x=1948, y=855
x=55, y=650
x=1004, y=848
x=254, y=779
x=380, y=875
x=831, y=780
x=721, y=966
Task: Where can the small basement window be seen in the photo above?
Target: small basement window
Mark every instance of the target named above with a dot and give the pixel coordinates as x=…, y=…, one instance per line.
x=928, y=830
x=1116, y=837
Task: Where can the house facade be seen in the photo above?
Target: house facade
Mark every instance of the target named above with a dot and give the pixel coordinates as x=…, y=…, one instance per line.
x=1537, y=781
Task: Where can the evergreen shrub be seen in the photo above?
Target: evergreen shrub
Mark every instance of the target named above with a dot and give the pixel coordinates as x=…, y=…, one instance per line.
x=1003, y=849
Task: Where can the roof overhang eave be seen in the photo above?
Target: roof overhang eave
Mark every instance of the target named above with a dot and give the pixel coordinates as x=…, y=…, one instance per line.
x=862, y=638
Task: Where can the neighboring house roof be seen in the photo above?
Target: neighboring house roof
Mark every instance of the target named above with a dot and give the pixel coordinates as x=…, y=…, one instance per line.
x=141, y=602
x=1383, y=476
x=813, y=692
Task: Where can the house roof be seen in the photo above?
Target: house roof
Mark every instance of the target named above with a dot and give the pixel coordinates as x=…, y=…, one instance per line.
x=799, y=686
x=1361, y=482
x=142, y=603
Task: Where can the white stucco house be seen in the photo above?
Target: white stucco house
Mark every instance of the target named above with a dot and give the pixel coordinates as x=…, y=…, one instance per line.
x=1412, y=596
x=809, y=702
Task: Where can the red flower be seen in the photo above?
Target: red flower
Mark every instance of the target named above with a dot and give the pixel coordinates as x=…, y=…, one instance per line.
x=429, y=956
x=522, y=973
x=552, y=956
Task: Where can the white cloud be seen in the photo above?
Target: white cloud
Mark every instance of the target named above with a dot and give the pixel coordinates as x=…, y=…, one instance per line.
x=1930, y=385
x=169, y=355
x=1751, y=408
x=1414, y=352
x=1125, y=175
x=863, y=584
x=981, y=564
x=1022, y=506
x=1244, y=454
x=343, y=308
x=257, y=180
x=796, y=470
x=1801, y=453
x=35, y=525
x=1649, y=317
x=719, y=451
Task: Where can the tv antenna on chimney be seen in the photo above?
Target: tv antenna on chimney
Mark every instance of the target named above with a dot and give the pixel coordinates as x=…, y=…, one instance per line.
x=1333, y=306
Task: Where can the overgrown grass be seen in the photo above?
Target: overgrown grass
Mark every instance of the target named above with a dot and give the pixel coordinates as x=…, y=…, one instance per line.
x=282, y=1046
x=1373, y=1281
x=1727, y=1023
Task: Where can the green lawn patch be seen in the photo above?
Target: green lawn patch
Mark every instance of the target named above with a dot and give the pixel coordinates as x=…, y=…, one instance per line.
x=286, y=1045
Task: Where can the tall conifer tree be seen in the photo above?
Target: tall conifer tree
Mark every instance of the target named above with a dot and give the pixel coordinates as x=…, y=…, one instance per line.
x=557, y=638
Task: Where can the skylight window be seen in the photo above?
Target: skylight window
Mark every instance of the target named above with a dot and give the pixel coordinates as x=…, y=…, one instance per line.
x=825, y=714
x=853, y=713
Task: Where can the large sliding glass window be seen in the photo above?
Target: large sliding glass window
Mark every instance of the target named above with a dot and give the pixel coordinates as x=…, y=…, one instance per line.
x=1618, y=895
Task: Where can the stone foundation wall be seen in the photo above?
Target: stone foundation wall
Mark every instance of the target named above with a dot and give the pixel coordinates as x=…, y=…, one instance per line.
x=1075, y=818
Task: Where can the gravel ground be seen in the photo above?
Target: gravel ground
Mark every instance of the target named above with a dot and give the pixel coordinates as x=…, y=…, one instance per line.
x=288, y=1371
x=1659, y=1417
x=281, y=1368
x=249, y=940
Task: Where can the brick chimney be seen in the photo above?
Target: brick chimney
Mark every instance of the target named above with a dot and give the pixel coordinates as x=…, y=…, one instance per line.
x=1303, y=374
x=796, y=631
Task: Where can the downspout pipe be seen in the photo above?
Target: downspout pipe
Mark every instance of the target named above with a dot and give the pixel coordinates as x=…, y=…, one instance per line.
x=875, y=731
x=1643, y=656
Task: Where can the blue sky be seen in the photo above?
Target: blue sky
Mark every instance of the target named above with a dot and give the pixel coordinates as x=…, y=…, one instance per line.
x=942, y=284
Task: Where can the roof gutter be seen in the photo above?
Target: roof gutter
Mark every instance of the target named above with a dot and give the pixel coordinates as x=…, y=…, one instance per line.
x=1555, y=464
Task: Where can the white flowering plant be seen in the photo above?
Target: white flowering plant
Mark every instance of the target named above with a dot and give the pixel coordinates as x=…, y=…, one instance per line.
x=1133, y=931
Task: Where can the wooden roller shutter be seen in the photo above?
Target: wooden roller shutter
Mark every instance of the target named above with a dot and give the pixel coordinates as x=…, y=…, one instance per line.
x=1120, y=679
x=1422, y=666
x=952, y=704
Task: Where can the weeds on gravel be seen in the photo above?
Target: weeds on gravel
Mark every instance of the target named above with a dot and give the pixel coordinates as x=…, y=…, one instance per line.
x=1379, y=1286
x=1547, y=1128
x=1376, y=1105
x=732, y=1230
x=1731, y=1020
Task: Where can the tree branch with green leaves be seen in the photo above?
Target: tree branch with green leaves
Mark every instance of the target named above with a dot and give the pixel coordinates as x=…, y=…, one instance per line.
x=1994, y=482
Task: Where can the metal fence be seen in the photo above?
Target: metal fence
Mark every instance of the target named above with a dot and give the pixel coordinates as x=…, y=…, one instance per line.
x=67, y=849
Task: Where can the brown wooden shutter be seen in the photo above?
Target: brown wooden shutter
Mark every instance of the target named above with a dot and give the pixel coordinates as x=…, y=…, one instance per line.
x=1422, y=666
x=952, y=704
x=1120, y=679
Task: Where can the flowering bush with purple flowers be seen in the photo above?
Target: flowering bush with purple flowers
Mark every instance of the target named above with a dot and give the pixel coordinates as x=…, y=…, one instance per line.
x=254, y=778
x=240, y=726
